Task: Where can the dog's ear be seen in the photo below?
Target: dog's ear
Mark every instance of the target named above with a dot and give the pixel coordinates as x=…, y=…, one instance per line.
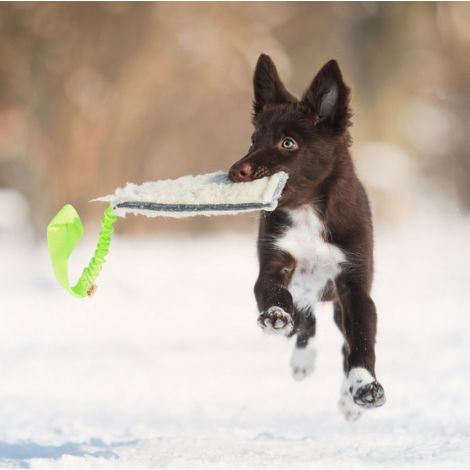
x=328, y=98
x=267, y=85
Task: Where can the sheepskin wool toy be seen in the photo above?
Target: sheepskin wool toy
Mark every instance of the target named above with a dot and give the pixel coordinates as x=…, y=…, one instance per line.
x=210, y=194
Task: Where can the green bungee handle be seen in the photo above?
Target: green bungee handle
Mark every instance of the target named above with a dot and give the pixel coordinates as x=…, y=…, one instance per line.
x=64, y=232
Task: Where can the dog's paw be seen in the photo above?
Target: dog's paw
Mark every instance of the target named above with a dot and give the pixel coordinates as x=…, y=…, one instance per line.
x=347, y=407
x=302, y=362
x=370, y=395
x=364, y=389
x=276, y=320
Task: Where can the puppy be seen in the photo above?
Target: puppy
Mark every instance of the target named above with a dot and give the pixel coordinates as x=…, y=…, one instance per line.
x=318, y=244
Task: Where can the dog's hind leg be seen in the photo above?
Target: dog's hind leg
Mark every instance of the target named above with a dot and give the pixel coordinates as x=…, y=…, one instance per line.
x=360, y=325
x=347, y=407
x=303, y=356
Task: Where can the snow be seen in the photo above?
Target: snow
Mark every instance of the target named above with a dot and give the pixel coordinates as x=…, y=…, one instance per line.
x=166, y=367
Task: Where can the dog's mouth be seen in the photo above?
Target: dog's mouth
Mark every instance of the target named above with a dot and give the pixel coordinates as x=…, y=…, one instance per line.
x=246, y=172
x=243, y=172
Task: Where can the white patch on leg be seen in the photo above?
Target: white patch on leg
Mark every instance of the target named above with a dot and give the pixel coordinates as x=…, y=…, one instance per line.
x=365, y=390
x=347, y=407
x=302, y=362
x=357, y=378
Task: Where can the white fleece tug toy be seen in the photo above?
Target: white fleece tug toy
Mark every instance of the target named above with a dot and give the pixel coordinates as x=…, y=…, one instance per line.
x=210, y=194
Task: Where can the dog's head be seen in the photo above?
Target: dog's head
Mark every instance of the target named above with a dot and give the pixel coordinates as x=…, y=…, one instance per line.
x=292, y=135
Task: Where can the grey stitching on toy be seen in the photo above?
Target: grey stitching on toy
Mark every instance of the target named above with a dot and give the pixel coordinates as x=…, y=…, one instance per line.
x=161, y=207
x=154, y=206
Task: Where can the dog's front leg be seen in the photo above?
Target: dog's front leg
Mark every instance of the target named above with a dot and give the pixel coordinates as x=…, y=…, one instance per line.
x=359, y=319
x=274, y=300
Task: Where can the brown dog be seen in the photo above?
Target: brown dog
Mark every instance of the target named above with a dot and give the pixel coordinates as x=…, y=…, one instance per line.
x=317, y=245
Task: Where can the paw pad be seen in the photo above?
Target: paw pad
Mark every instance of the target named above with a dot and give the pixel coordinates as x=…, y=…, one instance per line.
x=370, y=395
x=276, y=320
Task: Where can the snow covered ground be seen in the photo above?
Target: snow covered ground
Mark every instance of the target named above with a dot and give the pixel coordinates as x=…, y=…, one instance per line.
x=166, y=367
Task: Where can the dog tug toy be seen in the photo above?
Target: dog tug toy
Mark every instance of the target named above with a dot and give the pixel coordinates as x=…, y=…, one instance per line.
x=210, y=194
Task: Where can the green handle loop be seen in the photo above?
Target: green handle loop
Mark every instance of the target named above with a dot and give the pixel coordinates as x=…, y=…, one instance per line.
x=64, y=232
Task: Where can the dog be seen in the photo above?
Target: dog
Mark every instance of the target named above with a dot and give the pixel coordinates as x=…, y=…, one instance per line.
x=317, y=245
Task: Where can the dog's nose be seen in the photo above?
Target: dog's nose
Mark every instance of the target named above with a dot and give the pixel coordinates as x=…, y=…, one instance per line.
x=240, y=172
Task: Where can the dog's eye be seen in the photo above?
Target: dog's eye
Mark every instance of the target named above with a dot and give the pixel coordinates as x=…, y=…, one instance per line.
x=288, y=143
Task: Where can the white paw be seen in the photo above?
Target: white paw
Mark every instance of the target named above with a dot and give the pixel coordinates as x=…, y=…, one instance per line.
x=347, y=407
x=364, y=388
x=302, y=362
x=276, y=320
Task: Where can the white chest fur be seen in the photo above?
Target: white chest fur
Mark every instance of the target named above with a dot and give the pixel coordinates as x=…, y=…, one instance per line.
x=317, y=261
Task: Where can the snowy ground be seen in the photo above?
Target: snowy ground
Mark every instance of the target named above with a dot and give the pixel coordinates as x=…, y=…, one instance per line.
x=166, y=367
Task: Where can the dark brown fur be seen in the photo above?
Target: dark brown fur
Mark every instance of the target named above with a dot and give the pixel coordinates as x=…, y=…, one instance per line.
x=322, y=175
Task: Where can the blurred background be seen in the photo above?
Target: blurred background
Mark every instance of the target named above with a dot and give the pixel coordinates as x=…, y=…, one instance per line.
x=165, y=365
x=93, y=95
